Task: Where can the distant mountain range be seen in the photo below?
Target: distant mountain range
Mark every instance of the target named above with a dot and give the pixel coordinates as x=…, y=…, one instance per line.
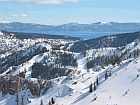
x=71, y=27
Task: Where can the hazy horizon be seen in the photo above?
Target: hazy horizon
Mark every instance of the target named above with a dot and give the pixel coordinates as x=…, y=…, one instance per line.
x=102, y=22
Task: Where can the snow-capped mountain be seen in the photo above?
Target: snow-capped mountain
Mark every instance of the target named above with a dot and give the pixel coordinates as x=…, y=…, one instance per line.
x=69, y=71
x=94, y=27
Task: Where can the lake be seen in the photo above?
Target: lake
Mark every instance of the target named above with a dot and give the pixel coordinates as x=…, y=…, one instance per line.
x=85, y=34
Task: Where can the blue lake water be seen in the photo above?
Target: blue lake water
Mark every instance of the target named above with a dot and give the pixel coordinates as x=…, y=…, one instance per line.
x=85, y=35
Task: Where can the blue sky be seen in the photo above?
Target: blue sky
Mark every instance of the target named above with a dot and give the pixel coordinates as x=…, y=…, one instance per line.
x=67, y=11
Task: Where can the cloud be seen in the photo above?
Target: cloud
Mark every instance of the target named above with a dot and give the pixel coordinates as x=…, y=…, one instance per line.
x=45, y=1
x=19, y=15
x=24, y=15
x=56, y=1
x=7, y=0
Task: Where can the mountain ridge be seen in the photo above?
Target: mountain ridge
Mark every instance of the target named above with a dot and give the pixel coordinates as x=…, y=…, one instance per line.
x=70, y=27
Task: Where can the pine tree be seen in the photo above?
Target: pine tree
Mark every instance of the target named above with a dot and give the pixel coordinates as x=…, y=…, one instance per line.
x=97, y=81
x=94, y=86
x=94, y=97
x=90, y=88
x=17, y=99
x=22, y=102
x=52, y=101
x=106, y=75
x=41, y=102
x=49, y=102
x=110, y=73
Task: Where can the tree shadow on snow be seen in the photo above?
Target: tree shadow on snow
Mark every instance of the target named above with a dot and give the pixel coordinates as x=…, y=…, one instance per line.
x=134, y=79
x=81, y=97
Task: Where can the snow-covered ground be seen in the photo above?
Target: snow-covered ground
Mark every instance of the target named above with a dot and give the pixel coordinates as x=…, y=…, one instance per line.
x=10, y=43
x=121, y=88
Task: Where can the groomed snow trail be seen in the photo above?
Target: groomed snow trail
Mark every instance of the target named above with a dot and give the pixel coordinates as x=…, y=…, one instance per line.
x=82, y=61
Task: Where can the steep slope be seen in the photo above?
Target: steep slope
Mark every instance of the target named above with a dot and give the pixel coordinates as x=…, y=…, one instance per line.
x=65, y=76
x=121, y=88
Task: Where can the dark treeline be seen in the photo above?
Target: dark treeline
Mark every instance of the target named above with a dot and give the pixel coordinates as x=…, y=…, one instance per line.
x=56, y=67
